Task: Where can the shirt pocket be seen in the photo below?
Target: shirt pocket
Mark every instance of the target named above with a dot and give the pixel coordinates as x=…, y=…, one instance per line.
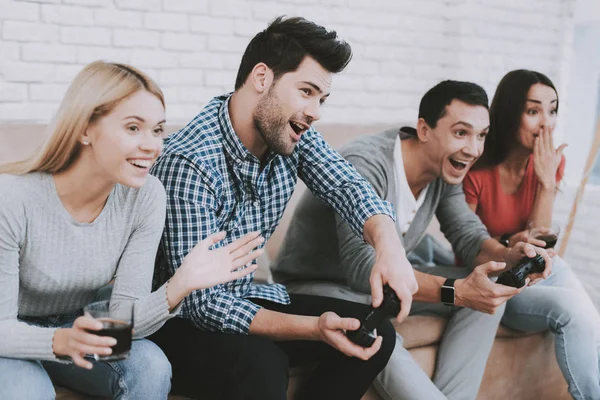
x=233, y=216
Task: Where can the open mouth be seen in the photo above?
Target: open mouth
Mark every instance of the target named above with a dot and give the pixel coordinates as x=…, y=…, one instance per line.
x=458, y=164
x=140, y=164
x=298, y=128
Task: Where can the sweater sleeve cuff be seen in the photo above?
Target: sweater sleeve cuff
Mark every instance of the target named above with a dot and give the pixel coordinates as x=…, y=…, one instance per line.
x=152, y=311
x=28, y=342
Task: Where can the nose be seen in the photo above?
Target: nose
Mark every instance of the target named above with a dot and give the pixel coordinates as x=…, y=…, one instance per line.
x=473, y=147
x=543, y=119
x=313, y=110
x=150, y=143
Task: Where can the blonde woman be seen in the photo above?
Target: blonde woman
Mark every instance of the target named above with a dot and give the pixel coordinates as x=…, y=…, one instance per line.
x=78, y=214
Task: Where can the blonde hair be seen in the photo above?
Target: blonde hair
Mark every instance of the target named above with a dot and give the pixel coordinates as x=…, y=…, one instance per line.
x=95, y=92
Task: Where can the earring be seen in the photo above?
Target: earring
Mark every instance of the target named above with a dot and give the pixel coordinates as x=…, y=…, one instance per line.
x=85, y=142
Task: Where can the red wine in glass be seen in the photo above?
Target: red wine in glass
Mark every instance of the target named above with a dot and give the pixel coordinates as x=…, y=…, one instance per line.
x=122, y=332
x=549, y=238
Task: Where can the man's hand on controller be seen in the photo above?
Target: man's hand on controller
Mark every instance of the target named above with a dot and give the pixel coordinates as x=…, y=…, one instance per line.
x=331, y=330
x=392, y=268
x=520, y=250
x=479, y=293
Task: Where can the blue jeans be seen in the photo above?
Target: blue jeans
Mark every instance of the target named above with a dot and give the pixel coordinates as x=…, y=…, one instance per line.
x=146, y=374
x=561, y=304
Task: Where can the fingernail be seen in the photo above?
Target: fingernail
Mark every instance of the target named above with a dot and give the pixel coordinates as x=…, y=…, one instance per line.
x=112, y=342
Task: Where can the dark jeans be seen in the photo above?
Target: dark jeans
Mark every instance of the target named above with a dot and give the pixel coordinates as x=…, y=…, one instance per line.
x=231, y=366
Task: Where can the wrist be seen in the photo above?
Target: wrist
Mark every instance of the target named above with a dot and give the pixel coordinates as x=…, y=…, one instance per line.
x=379, y=231
x=505, y=254
x=57, y=341
x=548, y=186
x=315, y=332
x=458, y=292
x=177, y=289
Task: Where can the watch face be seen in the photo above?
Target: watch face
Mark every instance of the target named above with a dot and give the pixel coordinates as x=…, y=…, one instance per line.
x=448, y=295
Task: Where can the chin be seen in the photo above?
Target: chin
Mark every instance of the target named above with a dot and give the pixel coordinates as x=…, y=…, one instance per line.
x=133, y=182
x=453, y=179
x=283, y=150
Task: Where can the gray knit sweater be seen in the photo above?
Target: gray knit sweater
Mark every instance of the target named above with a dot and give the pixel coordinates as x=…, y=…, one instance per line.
x=52, y=265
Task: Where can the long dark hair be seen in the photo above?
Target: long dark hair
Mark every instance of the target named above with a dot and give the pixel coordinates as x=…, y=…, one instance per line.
x=505, y=114
x=285, y=44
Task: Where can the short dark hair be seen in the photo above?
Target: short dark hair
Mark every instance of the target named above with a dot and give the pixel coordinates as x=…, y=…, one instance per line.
x=433, y=104
x=505, y=114
x=287, y=41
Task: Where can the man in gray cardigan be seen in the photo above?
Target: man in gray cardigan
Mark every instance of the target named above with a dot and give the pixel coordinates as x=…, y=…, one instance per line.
x=420, y=172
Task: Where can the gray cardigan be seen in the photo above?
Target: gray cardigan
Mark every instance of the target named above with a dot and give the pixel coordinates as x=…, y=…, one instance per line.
x=320, y=246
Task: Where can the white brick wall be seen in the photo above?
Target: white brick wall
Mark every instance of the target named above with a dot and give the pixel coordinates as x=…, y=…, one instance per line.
x=193, y=47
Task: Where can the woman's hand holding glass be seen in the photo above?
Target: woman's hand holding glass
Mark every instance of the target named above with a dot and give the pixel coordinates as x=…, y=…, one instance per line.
x=524, y=237
x=205, y=267
x=80, y=340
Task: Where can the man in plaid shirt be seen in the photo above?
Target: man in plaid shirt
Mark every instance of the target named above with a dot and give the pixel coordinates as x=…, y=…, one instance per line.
x=233, y=168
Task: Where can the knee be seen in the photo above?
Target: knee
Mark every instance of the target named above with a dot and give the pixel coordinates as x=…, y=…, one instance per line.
x=157, y=365
x=388, y=334
x=148, y=367
x=24, y=379
x=261, y=368
x=570, y=315
x=481, y=320
x=265, y=360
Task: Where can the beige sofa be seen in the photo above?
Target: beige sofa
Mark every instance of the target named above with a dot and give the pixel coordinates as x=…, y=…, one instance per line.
x=520, y=366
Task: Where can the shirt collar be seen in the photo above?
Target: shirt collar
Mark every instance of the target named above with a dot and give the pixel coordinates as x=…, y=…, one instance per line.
x=232, y=143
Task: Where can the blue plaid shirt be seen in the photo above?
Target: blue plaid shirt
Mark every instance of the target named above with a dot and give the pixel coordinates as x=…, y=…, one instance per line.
x=214, y=183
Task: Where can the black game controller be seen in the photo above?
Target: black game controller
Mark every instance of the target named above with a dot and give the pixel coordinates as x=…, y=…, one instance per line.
x=516, y=276
x=390, y=307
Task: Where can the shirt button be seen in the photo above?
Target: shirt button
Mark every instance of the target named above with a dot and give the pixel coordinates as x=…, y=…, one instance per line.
x=256, y=203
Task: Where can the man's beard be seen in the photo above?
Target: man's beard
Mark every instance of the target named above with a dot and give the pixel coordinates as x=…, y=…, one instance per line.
x=271, y=124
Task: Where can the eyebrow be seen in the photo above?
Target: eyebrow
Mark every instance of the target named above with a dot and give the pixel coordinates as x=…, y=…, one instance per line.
x=143, y=120
x=468, y=125
x=462, y=123
x=314, y=86
x=539, y=102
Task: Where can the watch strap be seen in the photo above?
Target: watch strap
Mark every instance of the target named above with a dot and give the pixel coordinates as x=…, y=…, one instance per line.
x=505, y=239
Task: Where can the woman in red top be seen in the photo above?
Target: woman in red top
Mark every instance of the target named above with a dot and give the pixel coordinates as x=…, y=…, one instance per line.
x=515, y=182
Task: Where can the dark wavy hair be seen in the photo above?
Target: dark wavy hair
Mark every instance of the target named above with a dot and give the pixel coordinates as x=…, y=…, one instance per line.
x=287, y=41
x=505, y=114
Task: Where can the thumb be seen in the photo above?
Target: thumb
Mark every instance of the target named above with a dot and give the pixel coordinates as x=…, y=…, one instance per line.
x=348, y=324
x=212, y=239
x=561, y=148
x=376, y=290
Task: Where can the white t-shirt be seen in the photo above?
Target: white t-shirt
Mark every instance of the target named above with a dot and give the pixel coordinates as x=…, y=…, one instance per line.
x=406, y=204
